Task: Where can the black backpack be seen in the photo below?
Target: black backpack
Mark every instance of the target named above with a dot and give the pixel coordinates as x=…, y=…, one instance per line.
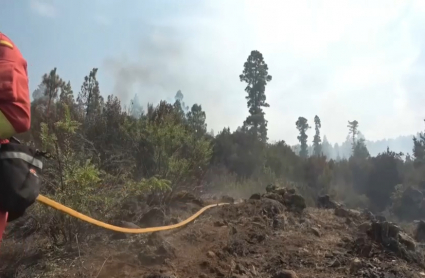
x=20, y=170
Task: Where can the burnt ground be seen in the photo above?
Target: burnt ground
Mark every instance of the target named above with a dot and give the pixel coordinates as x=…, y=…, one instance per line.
x=254, y=238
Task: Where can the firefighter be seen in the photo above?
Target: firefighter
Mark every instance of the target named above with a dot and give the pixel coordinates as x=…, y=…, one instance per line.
x=15, y=106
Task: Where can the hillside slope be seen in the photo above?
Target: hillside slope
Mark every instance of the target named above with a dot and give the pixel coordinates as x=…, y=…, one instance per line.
x=269, y=236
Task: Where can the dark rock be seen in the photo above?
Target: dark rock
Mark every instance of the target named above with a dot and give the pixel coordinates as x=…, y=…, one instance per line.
x=274, y=196
x=270, y=188
x=364, y=227
x=343, y=212
x=326, y=202
x=271, y=207
x=255, y=196
x=281, y=191
x=355, y=265
x=316, y=232
x=392, y=238
x=211, y=254
x=420, y=231
x=279, y=222
x=219, y=223
x=285, y=274
x=369, y=215
x=154, y=217
x=295, y=202
x=381, y=231
x=354, y=213
x=362, y=246
x=407, y=241
x=118, y=236
x=227, y=199
x=380, y=218
x=346, y=239
x=335, y=263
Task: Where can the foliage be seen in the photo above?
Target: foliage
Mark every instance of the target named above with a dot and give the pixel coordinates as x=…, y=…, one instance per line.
x=73, y=182
x=256, y=75
x=419, y=149
x=360, y=151
x=383, y=177
x=302, y=126
x=196, y=119
x=317, y=141
x=353, y=131
x=104, y=157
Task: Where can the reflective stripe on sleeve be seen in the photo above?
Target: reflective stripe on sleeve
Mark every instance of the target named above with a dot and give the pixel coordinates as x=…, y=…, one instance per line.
x=23, y=156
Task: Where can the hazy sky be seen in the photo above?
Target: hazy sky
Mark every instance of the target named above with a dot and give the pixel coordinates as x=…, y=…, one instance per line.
x=341, y=60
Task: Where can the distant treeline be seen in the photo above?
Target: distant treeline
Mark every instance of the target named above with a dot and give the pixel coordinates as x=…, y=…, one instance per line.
x=340, y=151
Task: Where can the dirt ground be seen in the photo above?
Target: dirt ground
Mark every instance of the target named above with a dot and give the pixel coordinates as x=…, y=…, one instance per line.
x=254, y=238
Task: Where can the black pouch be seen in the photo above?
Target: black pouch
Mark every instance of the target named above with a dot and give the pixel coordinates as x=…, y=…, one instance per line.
x=20, y=170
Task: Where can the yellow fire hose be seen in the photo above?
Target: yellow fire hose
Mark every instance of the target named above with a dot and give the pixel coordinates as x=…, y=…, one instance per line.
x=71, y=212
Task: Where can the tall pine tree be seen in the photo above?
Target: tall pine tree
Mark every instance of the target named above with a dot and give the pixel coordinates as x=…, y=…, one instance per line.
x=196, y=119
x=353, y=131
x=51, y=84
x=255, y=74
x=179, y=104
x=89, y=98
x=302, y=126
x=358, y=143
x=317, y=146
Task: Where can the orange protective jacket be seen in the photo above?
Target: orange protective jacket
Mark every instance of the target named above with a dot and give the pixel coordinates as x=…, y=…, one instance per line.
x=15, y=104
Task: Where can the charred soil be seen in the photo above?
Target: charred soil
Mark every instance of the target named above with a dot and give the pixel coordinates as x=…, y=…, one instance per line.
x=270, y=235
